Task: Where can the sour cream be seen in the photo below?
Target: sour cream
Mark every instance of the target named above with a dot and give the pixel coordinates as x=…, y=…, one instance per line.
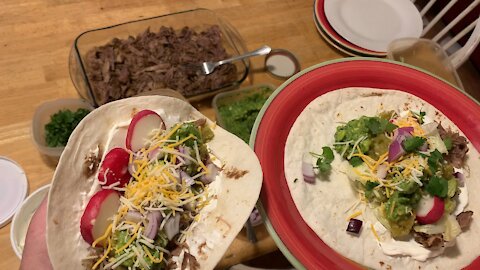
x=409, y=247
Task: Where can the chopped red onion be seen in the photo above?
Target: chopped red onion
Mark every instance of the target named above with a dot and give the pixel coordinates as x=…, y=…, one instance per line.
x=133, y=216
x=255, y=217
x=172, y=226
x=403, y=133
x=210, y=176
x=308, y=172
x=395, y=149
x=382, y=171
x=186, y=151
x=187, y=178
x=460, y=178
x=354, y=226
x=154, y=220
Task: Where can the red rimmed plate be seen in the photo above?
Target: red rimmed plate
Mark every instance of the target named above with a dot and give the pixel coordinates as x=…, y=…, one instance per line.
x=328, y=30
x=294, y=237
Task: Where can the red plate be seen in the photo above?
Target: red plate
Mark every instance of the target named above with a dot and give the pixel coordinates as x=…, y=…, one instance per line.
x=294, y=237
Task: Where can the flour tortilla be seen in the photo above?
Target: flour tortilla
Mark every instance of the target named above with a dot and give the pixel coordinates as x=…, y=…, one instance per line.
x=69, y=192
x=324, y=205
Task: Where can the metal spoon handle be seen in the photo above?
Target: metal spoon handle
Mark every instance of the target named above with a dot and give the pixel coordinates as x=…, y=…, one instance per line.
x=261, y=51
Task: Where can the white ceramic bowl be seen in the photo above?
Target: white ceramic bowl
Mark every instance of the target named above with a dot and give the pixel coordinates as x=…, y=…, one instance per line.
x=42, y=117
x=22, y=218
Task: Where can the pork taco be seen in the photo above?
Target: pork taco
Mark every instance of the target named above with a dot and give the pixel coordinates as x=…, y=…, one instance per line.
x=385, y=179
x=149, y=183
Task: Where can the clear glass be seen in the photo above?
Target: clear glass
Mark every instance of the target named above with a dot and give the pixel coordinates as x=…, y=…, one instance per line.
x=198, y=20
x=425, y=54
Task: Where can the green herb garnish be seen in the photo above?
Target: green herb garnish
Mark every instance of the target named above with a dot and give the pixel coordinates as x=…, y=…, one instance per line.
x=370, y=185
x=325, y=159
x=377, y=125
x=61, y=125
x=420, y=116
x=355, y=161
x=413, y=143
x=437, y=186
x=434, y=159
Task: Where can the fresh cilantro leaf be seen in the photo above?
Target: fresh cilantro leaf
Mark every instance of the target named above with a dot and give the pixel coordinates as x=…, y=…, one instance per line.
x=327, y=154
x=390, y=127
x=61, y=125
x=434, y=159
x=370, y=185
x=377, y=125
x=448, y=143
x=413, y=143
x=355, y=161
x=324, y=167
x=324, y=160
x=437, y=186
x=420, y=116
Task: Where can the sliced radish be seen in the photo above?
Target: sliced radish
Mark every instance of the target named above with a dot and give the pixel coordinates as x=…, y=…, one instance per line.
x=429, y=209
x=98, y=214
x=114, y=168
x=140, y=127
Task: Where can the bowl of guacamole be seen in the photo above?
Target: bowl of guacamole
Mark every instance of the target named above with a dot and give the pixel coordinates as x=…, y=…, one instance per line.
x=237, y=110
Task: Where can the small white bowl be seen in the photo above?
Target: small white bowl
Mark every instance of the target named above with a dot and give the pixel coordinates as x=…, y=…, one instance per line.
x=22, y=218
x=42, y=117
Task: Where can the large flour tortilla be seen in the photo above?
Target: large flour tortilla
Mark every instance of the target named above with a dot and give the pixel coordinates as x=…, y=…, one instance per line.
x=324, y=204
x=70, y=187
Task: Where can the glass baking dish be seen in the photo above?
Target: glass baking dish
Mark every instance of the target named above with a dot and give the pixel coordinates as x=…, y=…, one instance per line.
x=198, y=20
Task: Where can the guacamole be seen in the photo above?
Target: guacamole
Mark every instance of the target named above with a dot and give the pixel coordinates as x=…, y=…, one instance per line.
x=239, y=115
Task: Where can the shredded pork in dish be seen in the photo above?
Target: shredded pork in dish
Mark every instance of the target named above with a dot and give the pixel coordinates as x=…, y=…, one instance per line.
x=153, y=60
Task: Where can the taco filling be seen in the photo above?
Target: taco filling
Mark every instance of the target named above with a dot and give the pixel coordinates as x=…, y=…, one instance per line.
x=152, y=193
x=403, y=166
x=385, y=179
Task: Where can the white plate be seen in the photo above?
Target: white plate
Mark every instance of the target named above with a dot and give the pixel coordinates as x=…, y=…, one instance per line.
x=22, y=218
x=373, y=24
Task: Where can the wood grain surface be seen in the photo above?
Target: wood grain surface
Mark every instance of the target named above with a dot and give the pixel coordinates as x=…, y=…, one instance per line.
x=36, y=37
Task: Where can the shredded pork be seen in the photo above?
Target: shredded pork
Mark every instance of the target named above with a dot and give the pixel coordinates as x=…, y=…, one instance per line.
x=429, y=240
x=459, y=150
x=464, y=219
x=153, y=60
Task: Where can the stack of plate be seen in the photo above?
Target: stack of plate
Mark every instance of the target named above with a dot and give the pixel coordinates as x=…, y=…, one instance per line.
x=366, y=27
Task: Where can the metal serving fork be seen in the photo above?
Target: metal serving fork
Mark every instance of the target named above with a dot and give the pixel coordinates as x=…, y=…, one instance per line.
x=209, y=67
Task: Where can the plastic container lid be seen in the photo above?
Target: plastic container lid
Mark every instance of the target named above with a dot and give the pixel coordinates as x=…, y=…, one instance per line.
x=281, y=63
x=14, y=189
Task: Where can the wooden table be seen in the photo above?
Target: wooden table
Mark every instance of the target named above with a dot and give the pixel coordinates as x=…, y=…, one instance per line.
x=35, y=41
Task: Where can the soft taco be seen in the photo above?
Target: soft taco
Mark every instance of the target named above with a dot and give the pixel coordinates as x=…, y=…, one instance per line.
x=149, y=183
x=386, y=180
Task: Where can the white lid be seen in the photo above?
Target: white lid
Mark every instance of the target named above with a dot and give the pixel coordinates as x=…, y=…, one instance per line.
x=14, y=189
x=281, y=63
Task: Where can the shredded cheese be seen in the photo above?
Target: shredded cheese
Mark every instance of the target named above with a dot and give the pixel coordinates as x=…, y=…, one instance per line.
x=354, y=215
x=374, y=232
x=107, y=233
x=104, y=255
